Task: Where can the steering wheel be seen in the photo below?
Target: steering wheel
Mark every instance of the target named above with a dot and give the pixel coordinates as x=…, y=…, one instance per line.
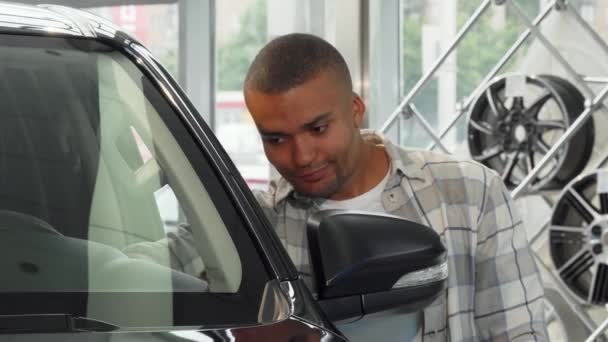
x=13, y=220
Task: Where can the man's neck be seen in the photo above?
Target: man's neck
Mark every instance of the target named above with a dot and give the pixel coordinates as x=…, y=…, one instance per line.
x=366, y=176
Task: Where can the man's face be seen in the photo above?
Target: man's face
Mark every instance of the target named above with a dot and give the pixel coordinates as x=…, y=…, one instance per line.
x=310, y=133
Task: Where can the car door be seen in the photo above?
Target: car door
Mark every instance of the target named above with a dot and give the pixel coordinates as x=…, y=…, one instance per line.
x=102, y=166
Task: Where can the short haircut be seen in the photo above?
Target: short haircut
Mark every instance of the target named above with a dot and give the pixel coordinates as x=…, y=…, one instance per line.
x=290, y=60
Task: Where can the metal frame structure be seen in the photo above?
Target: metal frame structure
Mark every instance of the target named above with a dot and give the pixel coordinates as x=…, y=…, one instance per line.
x=593, y=101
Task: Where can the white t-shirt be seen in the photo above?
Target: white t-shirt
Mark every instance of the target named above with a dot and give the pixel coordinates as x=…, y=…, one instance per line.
x=369, y=201
x=390, y=325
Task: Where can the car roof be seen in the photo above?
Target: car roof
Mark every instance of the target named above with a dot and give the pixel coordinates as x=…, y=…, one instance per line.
x=53, y=20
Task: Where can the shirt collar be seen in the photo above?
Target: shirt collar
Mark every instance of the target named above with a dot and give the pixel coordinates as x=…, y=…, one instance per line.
x=405, y=162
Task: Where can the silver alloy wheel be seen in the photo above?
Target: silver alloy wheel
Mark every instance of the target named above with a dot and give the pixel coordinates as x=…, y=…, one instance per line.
x=511, y=134
x=578, y=238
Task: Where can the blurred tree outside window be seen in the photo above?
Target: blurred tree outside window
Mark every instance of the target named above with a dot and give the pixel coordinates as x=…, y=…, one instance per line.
x=235, y=55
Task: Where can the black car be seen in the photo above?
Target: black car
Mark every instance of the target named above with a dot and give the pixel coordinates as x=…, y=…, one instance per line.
x=96, y=142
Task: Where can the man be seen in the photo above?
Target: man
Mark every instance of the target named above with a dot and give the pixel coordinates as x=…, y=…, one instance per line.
x=299, y=93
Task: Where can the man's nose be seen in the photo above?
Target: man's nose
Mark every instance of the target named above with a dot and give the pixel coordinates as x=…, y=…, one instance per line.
x=303, y=152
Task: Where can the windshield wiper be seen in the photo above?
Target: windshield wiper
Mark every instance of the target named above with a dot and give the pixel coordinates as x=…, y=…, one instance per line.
x=51, y=323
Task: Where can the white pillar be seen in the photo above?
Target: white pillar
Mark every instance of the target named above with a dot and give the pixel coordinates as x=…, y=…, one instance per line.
x=197, y=54
x=286, y=16
x=345, y=35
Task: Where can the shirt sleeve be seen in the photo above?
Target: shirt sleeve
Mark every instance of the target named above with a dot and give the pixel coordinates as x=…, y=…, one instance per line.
x=266, y=201
x=508, y=289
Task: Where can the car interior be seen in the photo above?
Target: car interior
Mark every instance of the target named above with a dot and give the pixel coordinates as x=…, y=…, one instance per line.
x=83, y=153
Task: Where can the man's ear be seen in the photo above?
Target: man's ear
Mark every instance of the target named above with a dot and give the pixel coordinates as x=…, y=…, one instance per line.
x=358, y=110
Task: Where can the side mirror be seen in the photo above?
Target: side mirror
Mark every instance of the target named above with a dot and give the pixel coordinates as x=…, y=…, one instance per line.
x=365, y=263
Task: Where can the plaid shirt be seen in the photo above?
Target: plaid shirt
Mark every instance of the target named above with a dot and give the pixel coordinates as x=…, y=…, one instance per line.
x=494, y=288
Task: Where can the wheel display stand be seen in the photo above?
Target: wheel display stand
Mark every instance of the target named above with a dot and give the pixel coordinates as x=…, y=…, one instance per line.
x=593, y=101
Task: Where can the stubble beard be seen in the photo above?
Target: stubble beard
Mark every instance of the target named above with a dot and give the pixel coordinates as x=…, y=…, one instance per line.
x=333, y=187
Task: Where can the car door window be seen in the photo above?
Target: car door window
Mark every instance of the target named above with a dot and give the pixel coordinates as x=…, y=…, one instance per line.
x=108, y=207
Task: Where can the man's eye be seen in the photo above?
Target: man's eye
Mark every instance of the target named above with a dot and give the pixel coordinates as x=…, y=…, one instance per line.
x=319, y=129
x=274, y=140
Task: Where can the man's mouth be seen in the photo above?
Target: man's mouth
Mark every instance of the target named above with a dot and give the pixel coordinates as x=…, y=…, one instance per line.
x=313, y=175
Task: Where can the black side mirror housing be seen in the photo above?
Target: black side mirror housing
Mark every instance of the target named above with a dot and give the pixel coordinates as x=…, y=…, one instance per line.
x=365, y=263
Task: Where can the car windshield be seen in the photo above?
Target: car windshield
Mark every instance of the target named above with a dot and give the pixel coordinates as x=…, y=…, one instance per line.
x=95, y=174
